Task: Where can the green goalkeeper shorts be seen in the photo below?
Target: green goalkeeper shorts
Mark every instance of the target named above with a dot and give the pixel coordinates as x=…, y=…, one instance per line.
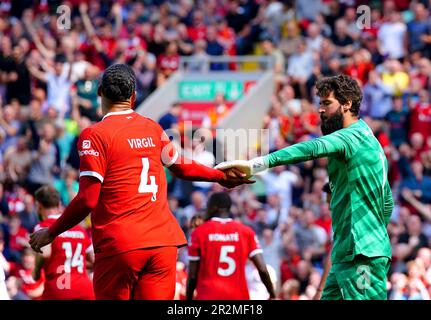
x=363, y=278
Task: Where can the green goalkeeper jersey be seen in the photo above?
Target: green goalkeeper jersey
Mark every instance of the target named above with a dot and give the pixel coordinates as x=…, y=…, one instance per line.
x=361, y=201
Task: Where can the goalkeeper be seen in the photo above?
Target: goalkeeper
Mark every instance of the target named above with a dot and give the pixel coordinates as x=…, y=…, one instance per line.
x=361, y=201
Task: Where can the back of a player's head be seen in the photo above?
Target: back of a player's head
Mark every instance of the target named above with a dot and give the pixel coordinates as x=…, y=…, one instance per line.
x=344, y=89
x=118, y=83
x=47, y=197
x=219, y=204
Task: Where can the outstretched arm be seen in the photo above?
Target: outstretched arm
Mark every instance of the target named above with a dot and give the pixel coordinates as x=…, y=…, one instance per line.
x=188, y=169
x=329, y=145
x=84, y=202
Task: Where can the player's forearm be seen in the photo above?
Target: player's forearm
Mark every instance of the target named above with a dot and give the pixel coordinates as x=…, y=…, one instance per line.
x=80, y=207
x=266, y=280
x=326, y=269
x=191, y=286
x=188, y=169
x=303, y=151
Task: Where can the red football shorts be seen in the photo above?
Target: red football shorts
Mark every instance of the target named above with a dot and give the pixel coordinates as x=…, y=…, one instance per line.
x=144, y=274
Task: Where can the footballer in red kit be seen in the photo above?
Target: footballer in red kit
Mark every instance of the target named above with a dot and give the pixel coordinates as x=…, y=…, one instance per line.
x=64, y=262
x=218, y=254
x=123, y=184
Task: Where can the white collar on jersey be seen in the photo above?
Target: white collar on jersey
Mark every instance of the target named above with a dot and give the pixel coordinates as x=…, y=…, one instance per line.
x=222, y=220
x=54, y=216
x=117, y=113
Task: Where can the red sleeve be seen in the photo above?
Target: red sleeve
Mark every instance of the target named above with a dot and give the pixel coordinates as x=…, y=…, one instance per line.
x=92, y=154
x=185, y=168
x=253, y=244
x=194, y=246
x=188, y=169
x=84, y=202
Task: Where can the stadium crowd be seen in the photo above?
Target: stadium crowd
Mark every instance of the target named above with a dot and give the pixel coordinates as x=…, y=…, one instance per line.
x=48, y=95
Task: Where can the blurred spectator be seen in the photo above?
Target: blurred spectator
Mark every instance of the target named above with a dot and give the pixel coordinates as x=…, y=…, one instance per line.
x=14, y=288
x=377, y=97
x=28, y=215
x=200, y=57
x=419, y=30
x=45, y=158
x=86, y=94
x=58, y=83
x=67, y=186
x=271, y=246
x=342, y=40
x=394, y=77
x=411, y=241
x=197, y=206
x=392, y=35
x=279, y=62
x=214, y=48
x=398, y=121
x=16, y=75
x=17, y=160
x=18, y=238
x=300, y=66
x=420, y=117
x=23, y=271
x=9, y=127
x=414, y=179
x=170, y=119
x=281, y=182
x=216, y=113
x=311, y=238
x=290, y=290
x=168, y=63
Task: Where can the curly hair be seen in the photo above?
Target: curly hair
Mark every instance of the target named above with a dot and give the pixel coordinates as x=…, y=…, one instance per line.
x=345, y=89
x=118, y=82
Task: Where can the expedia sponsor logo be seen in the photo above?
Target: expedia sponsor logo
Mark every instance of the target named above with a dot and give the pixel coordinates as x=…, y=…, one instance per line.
x=88, y=153
x=86, y=144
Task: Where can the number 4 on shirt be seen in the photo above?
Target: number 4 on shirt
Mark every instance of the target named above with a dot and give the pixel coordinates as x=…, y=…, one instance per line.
x=144, y=187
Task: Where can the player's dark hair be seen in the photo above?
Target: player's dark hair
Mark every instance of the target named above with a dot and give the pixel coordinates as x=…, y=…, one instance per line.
x=219, y=203
x=118, y=82
x=345, y=89
x=47, y=196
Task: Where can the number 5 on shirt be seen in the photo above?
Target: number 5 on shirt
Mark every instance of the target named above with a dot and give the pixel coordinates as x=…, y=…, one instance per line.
x=231, y=265
x=144, y=187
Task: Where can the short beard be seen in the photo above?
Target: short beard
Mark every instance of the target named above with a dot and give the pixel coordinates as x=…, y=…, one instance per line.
x=332, y=123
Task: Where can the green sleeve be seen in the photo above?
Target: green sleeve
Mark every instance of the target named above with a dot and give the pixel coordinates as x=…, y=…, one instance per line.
x=388, y=203
x=335, y=144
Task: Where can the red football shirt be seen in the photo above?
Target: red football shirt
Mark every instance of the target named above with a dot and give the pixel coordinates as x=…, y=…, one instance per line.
x=222, y=246
x=127, y=152
x=65, y=271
